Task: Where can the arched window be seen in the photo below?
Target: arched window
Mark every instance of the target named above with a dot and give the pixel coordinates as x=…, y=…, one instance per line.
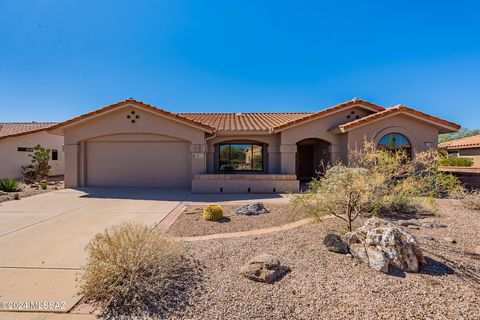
x=394, y=142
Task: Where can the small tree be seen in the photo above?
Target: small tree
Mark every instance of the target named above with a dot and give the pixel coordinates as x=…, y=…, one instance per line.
x=343, y=192
x=39, y=168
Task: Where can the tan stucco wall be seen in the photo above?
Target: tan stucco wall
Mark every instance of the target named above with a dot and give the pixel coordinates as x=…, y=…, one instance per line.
x=417, y=132
x=117, y=123
x=11, y=159
x=320, y=129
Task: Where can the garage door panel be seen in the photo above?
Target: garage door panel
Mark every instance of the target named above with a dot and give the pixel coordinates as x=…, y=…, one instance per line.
x=137, y=164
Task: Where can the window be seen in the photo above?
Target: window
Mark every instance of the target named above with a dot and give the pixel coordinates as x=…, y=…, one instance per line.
x=239, y=157
x=54, y=154
x=394, y=142
x=25, y=149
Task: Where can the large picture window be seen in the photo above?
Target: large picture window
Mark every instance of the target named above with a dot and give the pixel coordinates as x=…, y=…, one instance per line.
x=238, y=157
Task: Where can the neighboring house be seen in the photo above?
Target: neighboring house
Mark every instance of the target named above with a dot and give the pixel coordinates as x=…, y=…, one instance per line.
x=464, y=147
x=133, y=144
x=16, y=144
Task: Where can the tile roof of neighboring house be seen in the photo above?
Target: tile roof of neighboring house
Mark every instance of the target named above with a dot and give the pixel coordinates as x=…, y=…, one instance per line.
x=13, y=129
x=398, y=109
x=248, y=121
x=131, y=101
x=469, y=142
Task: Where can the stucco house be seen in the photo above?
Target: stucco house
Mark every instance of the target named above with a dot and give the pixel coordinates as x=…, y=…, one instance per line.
x=133, y=144
x=465, y=147
x=17, y=140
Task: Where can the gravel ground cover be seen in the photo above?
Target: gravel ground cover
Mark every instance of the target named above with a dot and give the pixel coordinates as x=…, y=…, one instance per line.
x=325, y=285
x=54, y=183
x=190, y=222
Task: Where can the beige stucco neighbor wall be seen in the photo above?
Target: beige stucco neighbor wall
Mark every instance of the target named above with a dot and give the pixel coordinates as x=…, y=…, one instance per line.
x=421, y=135
x=321, y=129
x=11, y=159
x=147, y=126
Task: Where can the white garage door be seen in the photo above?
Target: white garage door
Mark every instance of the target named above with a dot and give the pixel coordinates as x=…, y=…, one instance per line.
x=137, y=164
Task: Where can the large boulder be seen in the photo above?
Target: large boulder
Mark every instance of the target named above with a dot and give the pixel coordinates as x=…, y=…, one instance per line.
x=334, y=243
x=252, y=209
x=380, y=244
x=264, y=268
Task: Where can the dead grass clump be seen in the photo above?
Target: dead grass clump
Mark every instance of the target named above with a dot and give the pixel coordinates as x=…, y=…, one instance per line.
x=471, y=200
x=135, y=271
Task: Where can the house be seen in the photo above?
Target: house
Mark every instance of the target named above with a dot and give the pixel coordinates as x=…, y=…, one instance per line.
x=465, y=147
x=17, y=140
x=133, y=144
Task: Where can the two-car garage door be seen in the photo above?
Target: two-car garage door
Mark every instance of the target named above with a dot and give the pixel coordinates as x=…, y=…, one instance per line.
x=137, y=164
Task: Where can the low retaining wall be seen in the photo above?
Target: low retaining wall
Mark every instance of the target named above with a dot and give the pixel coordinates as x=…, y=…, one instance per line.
x=245, y=183
x=470, y=177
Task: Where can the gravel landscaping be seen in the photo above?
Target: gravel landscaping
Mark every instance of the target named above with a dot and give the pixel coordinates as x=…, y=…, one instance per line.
x=326, y=285
x=190, y=222
x=27, y=189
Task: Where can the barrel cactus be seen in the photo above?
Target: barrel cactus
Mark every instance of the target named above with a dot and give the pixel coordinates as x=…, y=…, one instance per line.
x=212, y=212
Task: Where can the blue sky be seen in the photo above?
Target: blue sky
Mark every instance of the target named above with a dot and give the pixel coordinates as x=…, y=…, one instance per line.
x=59, y=59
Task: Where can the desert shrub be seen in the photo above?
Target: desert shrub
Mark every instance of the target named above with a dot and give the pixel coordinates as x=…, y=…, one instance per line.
x=419, y=176
x=456, y=162
x=343, y=192
x=133, y=271
x=44, y=186
x=9, y=185
x=402, y=204
x=212, y=212
x=16, y=196
x=471, y=200
x=39, y=167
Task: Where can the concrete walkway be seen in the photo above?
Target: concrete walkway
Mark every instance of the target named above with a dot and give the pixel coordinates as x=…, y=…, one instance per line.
x=249, y=233
x=42, y=238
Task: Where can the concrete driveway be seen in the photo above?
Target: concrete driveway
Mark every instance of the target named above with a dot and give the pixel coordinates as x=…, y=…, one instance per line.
x=42, y=238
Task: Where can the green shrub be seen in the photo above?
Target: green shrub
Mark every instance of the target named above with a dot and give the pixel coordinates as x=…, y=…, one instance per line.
x=39, y=168
x=456, y=162
x=44, y=186
x=9, y=185
x=134, y=271
x=212, y=212
x=471, y=200
x=16, y=196
x=343, y=192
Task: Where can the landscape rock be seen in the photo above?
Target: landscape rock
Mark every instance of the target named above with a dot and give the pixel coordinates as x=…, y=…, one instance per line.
x=433, y=225
x=407, y=223
x=33, y=185
x=380, y=243
x=264, y=268
x=334, y=243
x=252, y=209
x=450, y=239
x=429, y=238
x=413, y=227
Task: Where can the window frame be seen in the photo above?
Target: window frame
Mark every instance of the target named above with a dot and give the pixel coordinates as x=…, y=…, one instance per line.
x=251, y=144
x=409, y=149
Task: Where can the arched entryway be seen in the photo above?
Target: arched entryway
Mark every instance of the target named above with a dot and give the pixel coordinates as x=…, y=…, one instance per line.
x=313, y=155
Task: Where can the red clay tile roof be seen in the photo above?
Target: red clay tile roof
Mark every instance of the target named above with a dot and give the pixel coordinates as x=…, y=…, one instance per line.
x=140, y=104
x=14, y=129
x=399, y=109
x=338, y=107
x=464, y=143
x=248, y=121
